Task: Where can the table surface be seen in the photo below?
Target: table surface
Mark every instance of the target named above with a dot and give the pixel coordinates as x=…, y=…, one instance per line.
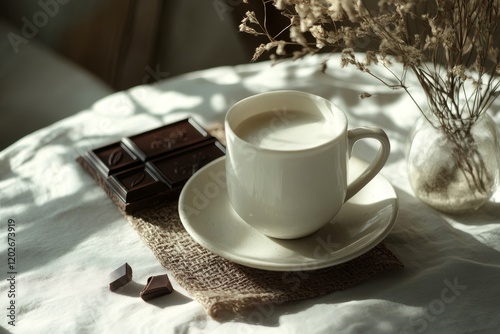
x=69, y=236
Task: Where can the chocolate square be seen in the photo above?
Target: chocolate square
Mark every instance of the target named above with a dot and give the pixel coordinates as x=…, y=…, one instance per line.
x=165, y=139
x=175, y=170
x=135, y=184
x=112, y=158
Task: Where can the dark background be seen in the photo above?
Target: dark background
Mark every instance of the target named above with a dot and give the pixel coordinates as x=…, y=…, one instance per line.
x=57, y=57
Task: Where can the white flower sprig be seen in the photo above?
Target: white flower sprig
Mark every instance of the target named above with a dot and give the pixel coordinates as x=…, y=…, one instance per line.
x=450, y=45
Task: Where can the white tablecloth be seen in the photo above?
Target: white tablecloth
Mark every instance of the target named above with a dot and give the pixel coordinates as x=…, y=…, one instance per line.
x=69, y=236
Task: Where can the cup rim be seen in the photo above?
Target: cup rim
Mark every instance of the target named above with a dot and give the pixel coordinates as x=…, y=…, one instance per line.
x=332, y=105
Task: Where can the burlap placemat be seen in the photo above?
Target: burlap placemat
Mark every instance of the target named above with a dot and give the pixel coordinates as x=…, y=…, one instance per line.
x=225, y=288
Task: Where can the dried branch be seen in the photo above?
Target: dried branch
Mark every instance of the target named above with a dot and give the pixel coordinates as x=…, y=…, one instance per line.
x=448, y=44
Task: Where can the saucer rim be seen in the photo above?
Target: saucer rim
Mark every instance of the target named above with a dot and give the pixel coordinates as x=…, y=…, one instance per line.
x=284, y=266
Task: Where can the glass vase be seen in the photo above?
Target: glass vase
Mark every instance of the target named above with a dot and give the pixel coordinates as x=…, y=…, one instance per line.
x=454, y=165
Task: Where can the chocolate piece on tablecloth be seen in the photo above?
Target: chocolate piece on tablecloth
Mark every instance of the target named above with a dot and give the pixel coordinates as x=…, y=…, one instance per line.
x=148, y=168
x=157, y=286
x=120, y=277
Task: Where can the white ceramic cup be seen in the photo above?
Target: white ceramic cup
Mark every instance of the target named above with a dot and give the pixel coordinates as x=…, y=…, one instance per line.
x=286, y=168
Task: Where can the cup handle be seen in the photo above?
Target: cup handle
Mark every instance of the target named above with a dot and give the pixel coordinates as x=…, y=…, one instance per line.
x=376, y=165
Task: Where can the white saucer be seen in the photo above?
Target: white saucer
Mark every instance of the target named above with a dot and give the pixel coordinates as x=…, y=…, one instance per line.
x=362, y=223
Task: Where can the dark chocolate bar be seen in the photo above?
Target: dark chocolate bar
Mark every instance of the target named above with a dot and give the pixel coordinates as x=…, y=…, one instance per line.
x=120, y=277
x=145, y=169
x=157, y=286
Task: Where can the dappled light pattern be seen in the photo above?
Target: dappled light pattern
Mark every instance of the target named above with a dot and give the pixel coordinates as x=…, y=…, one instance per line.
x=69, y=235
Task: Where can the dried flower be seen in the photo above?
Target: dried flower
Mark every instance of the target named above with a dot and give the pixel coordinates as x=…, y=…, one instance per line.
x=450, y=45
x=442, y=41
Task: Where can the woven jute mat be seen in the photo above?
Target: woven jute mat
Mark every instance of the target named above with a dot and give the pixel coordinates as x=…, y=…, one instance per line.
x=225, y=288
